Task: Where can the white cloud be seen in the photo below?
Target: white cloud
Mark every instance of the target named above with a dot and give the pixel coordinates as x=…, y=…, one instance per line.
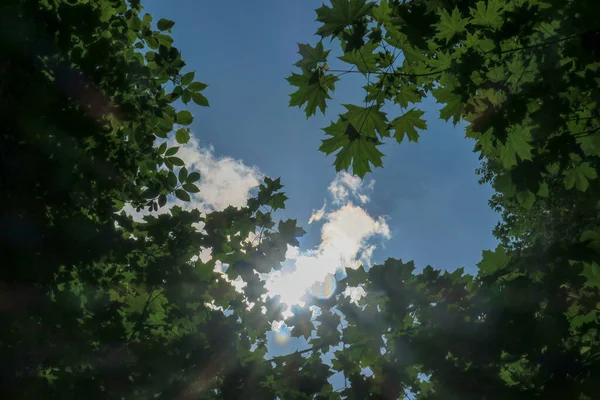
x=205, y=254
x=343, y=244
x=317, y=215
x=224, y=181
x=355, y=293
x=346, y=185
x=367, y=254
x=292, y=253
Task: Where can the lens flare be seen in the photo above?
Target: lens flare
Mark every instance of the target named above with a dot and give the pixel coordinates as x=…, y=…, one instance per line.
x=324, y=290
x=281, y=332
x=282, y=337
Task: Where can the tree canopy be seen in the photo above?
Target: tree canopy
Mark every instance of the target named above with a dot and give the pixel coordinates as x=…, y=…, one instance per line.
x=522, y=75
x=94, y=303
x=96, y=102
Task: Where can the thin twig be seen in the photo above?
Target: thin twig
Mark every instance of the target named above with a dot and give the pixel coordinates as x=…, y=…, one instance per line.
x=143, y=315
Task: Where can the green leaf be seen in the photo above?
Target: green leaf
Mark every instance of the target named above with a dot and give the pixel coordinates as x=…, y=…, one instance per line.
x=182, y=136
x=188, y=78
x=175, y=94
x=406, y=124
x=168, y=164
x=183, y=173
x=526, y=199
x=311, y=56
x=516, y=145
x=106, y=12
x=289, y=231
x=182, y=195
x=543, y=190
x=579, y=176
x=493, y=261
x=590, y=143
x=407, y=94
x=368, y=121
x=591, y=271
x=301, y=322
x=162, y=148
x=487, y=14
x=313, y=90
x=184, y=117
x=152, y=42
x=165, y=40
x=190, y=187
x=382, y=13
x=447, y=93
x=354, y=149
x=497, y=74
x=186, y=96
x=150, y=193
x=592, y=238
x=450, y=25
x=172, y=151
x=359, y=153
x=200, y=99
x=164, y=24
x=171, y=180
x=197, y=86
x=176, y=161
x=364, y=58
x=278, y=201
x=193, y=177
x=165, y=124
x=341, y=14
x=355, y=277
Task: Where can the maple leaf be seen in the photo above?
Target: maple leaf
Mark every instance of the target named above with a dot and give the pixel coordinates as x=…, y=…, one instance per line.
x=450, y=24
x=493, y=261
x=300, y=322
x=592, y=237
x=405, y=125
x=329, y=323
x=362, y=152
x=591, y=271
x=354, y=149
x=487, y=14
x=363, y=57
x=579, y=175
x=311, y=56
x=368, y=121
x=407, y=94
x=278, y=201
x=355, y=277
x=382, y=13
x=274, y=308
x=289, y=231
x=526, y=199
x=313, y=90
x=454, y=105
x=517, y=144
x=341, y=14
x=590, y=143
x=342, y=134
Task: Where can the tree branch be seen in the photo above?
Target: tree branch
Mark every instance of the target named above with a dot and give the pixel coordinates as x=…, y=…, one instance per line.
x=143, y=316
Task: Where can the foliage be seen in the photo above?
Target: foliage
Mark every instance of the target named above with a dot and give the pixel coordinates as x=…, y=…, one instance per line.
x=94, y=304
x=521, y=76
x=98, y=305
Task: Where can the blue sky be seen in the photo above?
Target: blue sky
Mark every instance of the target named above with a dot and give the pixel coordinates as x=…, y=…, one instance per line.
x=428, y=193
